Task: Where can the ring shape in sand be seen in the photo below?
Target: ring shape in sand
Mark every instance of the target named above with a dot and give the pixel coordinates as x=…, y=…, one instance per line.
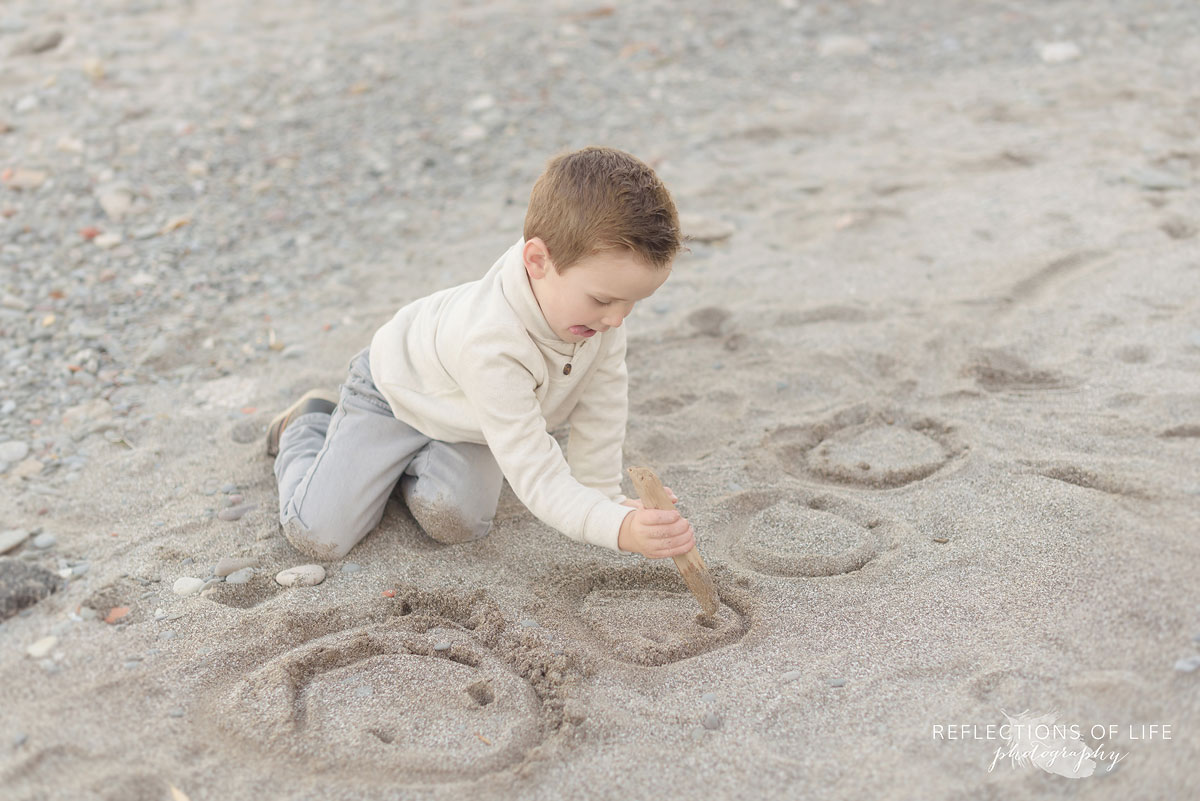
x=385, y=699
x=800, y=534
x=644, y=616
x=861, y=446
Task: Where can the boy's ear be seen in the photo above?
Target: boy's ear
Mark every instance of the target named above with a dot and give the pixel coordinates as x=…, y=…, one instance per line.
x=537, y=258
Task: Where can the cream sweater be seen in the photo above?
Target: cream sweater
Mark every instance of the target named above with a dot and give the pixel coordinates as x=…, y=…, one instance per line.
x=479, y=363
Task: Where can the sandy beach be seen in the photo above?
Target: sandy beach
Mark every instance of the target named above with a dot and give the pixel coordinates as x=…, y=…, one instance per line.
x=926, y=382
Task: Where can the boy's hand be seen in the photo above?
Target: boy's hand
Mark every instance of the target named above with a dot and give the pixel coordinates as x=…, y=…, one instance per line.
x=656, y=533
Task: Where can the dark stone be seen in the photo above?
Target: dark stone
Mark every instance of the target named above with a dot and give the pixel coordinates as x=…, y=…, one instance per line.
x=23, y=585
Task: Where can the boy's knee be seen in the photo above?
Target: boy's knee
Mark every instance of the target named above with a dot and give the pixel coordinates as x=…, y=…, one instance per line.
x=446, y=524
x=318, y=542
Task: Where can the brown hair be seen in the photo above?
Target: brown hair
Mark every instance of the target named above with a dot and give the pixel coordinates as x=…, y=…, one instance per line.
x=599, y=199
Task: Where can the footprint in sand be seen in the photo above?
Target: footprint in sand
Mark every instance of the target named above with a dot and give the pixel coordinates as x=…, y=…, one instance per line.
x=644, y=617
x=420, y=688
x=800, y=534
x=875, y=448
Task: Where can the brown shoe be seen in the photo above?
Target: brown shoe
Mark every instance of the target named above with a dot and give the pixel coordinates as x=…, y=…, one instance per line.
x=315, y=400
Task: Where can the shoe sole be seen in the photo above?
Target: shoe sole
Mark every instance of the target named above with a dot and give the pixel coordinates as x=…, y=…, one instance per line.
x=318, y=399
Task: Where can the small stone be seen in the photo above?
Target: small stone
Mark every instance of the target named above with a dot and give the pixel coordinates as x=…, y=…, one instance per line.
x=1059, y=52
x=350, y=567
x=704, y=229
x=107, y=240
x=24, y=179
x=13, y=451
x=187, y=585
x=242, y=576
x=36, y=42
x=228, y=488
x=115, y=199
x=44, y=541
x=169, y=634
x=365, y=691
x=230, y=564
x=175, y=712
x=301, y=576
x=842, y=45
x=132, y=664
x=442, y=645
x=12, y=538
x=234, y=499
x=80, y=569
x=791, y=675
x=42, y=648
x=530, y=623
x=837, y=682
x=1188, y=664
x=20, y=739
x=236, y=512
x=708, y=698
x=1156, y=179
x=712, y=721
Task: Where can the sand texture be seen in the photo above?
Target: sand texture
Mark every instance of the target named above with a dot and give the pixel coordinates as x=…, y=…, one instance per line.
x=926, y=384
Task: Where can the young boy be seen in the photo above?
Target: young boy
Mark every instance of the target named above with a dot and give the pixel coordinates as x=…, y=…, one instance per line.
x=460, y=389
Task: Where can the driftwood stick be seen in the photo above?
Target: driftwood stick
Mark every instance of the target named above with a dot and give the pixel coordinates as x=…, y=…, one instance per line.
x=691, y=566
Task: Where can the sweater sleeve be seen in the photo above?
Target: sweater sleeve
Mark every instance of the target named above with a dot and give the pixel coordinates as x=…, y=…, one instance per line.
x=501, y=391
x=594, y=446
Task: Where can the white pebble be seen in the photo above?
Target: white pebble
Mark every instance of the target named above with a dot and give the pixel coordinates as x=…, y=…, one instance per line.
x=42, y=647
x=187, y=585
x=1188, y=664
x=242, y=576
x=301, y=576
x=1058, y=52
x=11, y=539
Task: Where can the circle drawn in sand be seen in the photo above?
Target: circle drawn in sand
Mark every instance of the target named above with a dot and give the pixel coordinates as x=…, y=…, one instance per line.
x=880, y=449
x=419, y=688
x=798, y=534
x=385, y=697
x=645, y=617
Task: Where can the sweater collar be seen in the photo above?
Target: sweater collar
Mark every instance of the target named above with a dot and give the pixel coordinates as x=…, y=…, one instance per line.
x=517, y=290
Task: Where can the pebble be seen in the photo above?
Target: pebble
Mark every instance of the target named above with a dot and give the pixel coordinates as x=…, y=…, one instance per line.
x=20, y=739
x=131, y=664
x=236, y=512
x=842, y=45
x=12, y=538
x=712, y=721
x=442, y=645
x=530, y=623
x=42, y=647
x=1152, y=178
x=187, y=585
x=837, y=682
x=44, y=541
x=301, y=576
x=234, y=499
x=175, y=712
x=791, y=675
x=365, y=691
x=228, y=488
x=350, y=567
x=231, y=564
x=169, y=634
x=1059, y=52
x=13, y=451
x=704, y=229
x=708, y=698
x=1188, y=663
x=242, y=576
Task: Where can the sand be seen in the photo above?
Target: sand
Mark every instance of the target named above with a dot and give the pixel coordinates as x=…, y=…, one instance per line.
x=927, y=385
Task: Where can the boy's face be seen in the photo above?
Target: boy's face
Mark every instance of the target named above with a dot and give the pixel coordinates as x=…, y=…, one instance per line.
x=595, y=294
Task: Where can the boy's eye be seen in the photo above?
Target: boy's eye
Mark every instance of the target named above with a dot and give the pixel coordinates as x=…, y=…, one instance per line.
x=601, y=302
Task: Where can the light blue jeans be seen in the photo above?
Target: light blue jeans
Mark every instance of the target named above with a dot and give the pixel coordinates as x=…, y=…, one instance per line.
x=336, y=473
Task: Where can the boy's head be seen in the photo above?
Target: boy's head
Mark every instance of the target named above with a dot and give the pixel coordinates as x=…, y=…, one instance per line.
x=601, y=233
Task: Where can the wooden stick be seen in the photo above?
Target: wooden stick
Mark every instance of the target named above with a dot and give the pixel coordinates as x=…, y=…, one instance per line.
x=691, y=566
